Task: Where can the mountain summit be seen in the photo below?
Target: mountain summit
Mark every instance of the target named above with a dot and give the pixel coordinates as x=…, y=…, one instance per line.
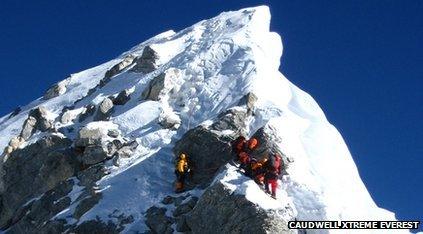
x=97, y=152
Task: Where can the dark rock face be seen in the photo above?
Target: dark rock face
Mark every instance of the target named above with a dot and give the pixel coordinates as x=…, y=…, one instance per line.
x=105, y=109
x=37, y=120
x=96, y=227
x=89, y=176
x=122, y=98
x=185, y=207
x=116, y=69
x=156, y=85
x=146, y=63
x=32, y=218
x=34, y=170
x=40, y=114
x=89, y=111
x=94, y=154
x=221, y=211
x=207, y=149
x=56, y=90
x=86, y=204
x=157, y=220
x=233, y=119
x=207, y=152
x=28, y=128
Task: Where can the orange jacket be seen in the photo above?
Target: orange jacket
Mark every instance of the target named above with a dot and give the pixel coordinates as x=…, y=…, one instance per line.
x=182, y=165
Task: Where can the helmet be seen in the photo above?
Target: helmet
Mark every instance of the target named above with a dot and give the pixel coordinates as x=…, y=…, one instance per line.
x=252, y=143
x=182, y=156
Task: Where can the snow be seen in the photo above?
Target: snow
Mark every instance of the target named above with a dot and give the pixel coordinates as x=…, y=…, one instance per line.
x=212, y=65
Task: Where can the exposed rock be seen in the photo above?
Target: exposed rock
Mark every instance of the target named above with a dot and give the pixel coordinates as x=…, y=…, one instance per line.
x=89, y=136
x=249, y=100
x=113, y=133
x=8, y=150
x=67, y=117
x=178, y=200
x=98, y=143
x=86, y=204
x=233, y=119
x=89, y=111
x=32, y=218
x=113, y=71
x=56, y=90
x=54, y=226
x=96, y=226
x=153, y=91
x=125, y=151
x=157, y=220
x=34, y=170
x=89, y=176
x=94, y=154
x=185, y=207
x=119, y=67
x=181, y=224
x=41, y=115
x=207, y=151
x=105, y=109
x=146, y=63
x=29, y=128
x=122, y=98
x=15, y=142
x=221, y=211
x=207, y=148
x=121, y=219
x=168, y=200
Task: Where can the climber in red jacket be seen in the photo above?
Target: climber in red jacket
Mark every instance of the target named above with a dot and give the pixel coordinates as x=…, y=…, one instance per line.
x=273, y=170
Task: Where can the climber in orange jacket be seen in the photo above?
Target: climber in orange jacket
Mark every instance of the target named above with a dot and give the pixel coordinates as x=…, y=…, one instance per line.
x=181, y=171
x=258, y=170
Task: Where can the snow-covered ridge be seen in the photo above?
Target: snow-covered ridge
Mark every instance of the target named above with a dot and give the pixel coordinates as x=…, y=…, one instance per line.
x=202, y=71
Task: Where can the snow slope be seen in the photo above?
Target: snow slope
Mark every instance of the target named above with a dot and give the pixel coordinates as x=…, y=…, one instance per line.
x=214, y=63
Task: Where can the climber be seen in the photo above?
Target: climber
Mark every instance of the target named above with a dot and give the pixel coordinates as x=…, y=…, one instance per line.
x=181, y=171
x=273, y=169
x=258, y=170
x=238, y=146
x=252, y=145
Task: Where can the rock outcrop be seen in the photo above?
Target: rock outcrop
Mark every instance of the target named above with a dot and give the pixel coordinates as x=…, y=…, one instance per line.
x=105, y=109
x=89, y=111
x=122, y=98
x=56, y=90
x=156, y=85
x=209, y=149
x=116, y=69
x=100, y=141
x=158, y=221
x=219, y=210
x=32, y=171
x=161, y=85
x=146, y=63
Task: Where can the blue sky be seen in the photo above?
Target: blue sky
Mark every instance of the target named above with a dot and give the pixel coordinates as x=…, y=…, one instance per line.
x=361, y=60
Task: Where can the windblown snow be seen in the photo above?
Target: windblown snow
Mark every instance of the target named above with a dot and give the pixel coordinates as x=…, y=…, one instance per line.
x=213, y=64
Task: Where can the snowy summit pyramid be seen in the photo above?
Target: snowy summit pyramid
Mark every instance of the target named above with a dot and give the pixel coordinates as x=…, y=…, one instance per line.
x=97, y=152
